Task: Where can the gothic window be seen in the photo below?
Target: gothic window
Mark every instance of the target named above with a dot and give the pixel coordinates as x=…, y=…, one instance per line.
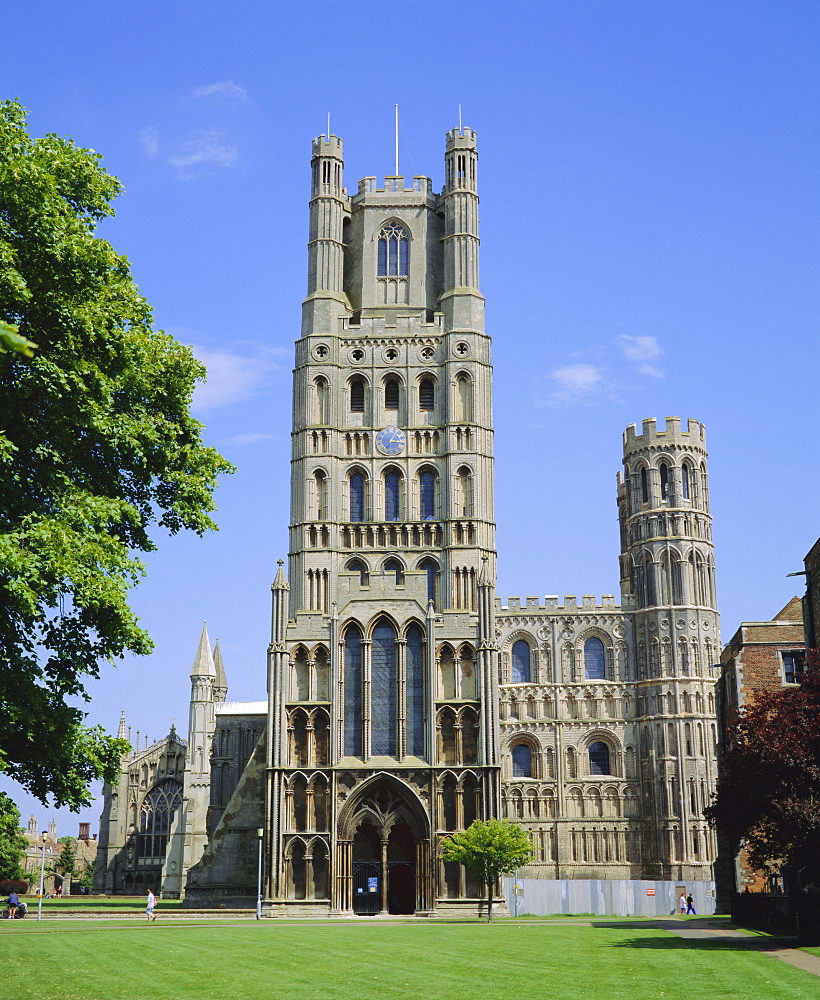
x=599, y=758
x=464, y=399
x=414, y=669
x=522, y=760
x=357, y=566
x=466, y=664
x=468, y=720
x=644, y=486
x=384, y=690
x=594, y=662
x=322, y=400
x=464, y=493
x=395, y=567
x=320, y=484
x=664, y=473
x=447, y=673
x=446, y=737
x=301, y=675
x=156, y=816
x=357, y=394
x=392, y=489
x=684, y=480
x=353, y=691
x=427, y=496
x=427, y=394
x=394, y=251
x=391, y=394
x=521, y=662
x=430, y=567
x=357, y=495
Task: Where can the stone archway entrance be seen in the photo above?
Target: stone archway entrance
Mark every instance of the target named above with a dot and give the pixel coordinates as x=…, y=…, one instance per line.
x=384, y=851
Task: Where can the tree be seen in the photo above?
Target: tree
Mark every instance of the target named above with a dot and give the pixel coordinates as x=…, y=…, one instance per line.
x=66, y=861
x=86, y=876
x=12, y=842
x=768, y=791
x=97, y=450
x=489, y=850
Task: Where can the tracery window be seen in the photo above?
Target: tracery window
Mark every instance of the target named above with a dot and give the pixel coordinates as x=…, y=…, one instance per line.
x=155, y=819
x=521, y=656
x=594, y=662
x=394, y=251
x=353, y=691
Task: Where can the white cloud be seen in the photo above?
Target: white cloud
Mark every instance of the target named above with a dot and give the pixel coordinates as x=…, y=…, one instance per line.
x=243, y=440
x=224, y=90
x=652, y=370
x=232, y=377
x=202, y=149
x=576, y=383
x=149, y=138
x=639, y=348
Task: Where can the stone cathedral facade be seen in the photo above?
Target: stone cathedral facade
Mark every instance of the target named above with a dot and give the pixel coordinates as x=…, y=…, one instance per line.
x=404, y=699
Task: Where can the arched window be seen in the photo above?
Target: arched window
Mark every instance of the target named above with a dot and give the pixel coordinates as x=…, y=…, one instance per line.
x=320, y=483
x=391, y=394
x=599, y=758
x=392, y=488
x=430, y=567
x=156, y=816
x=384, y=690
x=394, y=251
x=521, y=662
x=522, y=760
x=353, y=691
x=594, y=662
x=464, y=498
x=664, y=472
x=684, y=480
x=427, y=496
x=357, y=566
x=322, y=399
x=357, y=497
x=464, y=399
x=427, y=394
x=414, y=670
x=644, y=486
x=394, y=566
x=357, y=394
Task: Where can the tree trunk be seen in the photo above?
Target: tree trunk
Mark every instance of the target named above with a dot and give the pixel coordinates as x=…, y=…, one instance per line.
x=489, y=900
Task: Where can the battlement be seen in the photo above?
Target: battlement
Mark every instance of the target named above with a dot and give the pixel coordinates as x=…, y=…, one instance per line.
x=650, y=436
x=395, y=185
x=464, y=138
x=324, y=146
x=588, y=602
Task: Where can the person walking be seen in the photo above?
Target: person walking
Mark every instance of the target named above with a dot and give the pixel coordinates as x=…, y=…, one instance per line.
x=151, y=903
x=682, y=905
x=690, y=906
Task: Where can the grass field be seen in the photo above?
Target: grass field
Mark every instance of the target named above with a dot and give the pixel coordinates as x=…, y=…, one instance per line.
x=176, y=960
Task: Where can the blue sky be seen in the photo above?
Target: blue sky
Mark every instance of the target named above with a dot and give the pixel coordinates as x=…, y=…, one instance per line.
x=648, y=176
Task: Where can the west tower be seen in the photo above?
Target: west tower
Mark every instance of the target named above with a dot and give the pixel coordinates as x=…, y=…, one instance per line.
x=382, y=692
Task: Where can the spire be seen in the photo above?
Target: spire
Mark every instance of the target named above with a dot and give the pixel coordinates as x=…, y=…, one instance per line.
x=203, y=661
x=281, y=581
x=122, y=731
x=221, y=682
x=484, y=579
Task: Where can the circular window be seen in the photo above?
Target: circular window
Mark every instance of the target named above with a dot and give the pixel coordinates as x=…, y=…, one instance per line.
x=462, y=349
x=321, y=351
x=427, y=353
x=391, y=354
x=357, y=354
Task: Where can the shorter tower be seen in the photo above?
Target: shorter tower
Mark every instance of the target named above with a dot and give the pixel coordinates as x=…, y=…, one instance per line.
x=668, y=573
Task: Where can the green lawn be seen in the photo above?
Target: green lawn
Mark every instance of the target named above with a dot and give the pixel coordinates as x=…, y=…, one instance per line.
x=115, y=960
x=106, y=903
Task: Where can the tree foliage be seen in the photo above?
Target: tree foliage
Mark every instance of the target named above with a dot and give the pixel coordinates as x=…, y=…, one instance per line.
x=768, y=792
x=489, y=849
x=12, y=841
x=66, y=861
x=97, y=449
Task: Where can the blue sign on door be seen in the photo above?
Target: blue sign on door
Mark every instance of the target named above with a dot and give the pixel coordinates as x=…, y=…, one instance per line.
x=372, y=884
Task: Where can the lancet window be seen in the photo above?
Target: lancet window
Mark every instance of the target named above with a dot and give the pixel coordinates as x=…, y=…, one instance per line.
x=394, y=251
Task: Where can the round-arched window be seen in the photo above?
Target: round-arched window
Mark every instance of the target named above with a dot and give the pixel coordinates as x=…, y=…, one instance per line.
x=594, y=662
x=599, y=758
x=521, y=662
x=522, y=761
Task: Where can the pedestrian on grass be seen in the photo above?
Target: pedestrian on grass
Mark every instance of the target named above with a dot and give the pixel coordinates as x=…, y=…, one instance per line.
x=682, y=905
x=151, y=903
x=690, y=906
x=14, y=902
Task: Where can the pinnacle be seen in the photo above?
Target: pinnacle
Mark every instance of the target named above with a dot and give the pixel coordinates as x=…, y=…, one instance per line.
x=203, y=661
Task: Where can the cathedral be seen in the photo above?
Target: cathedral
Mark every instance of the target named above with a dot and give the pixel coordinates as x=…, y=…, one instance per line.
x=404, y=699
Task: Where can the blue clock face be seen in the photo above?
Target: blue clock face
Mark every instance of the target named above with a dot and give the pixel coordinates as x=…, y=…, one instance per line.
x=391, y=441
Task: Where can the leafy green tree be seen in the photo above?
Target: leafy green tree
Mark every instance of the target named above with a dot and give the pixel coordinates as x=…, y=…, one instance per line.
x=86, y=876
x=489, y=850
x=97, y=450
x=12, y=841
x=768, y=791
x=66, y=861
